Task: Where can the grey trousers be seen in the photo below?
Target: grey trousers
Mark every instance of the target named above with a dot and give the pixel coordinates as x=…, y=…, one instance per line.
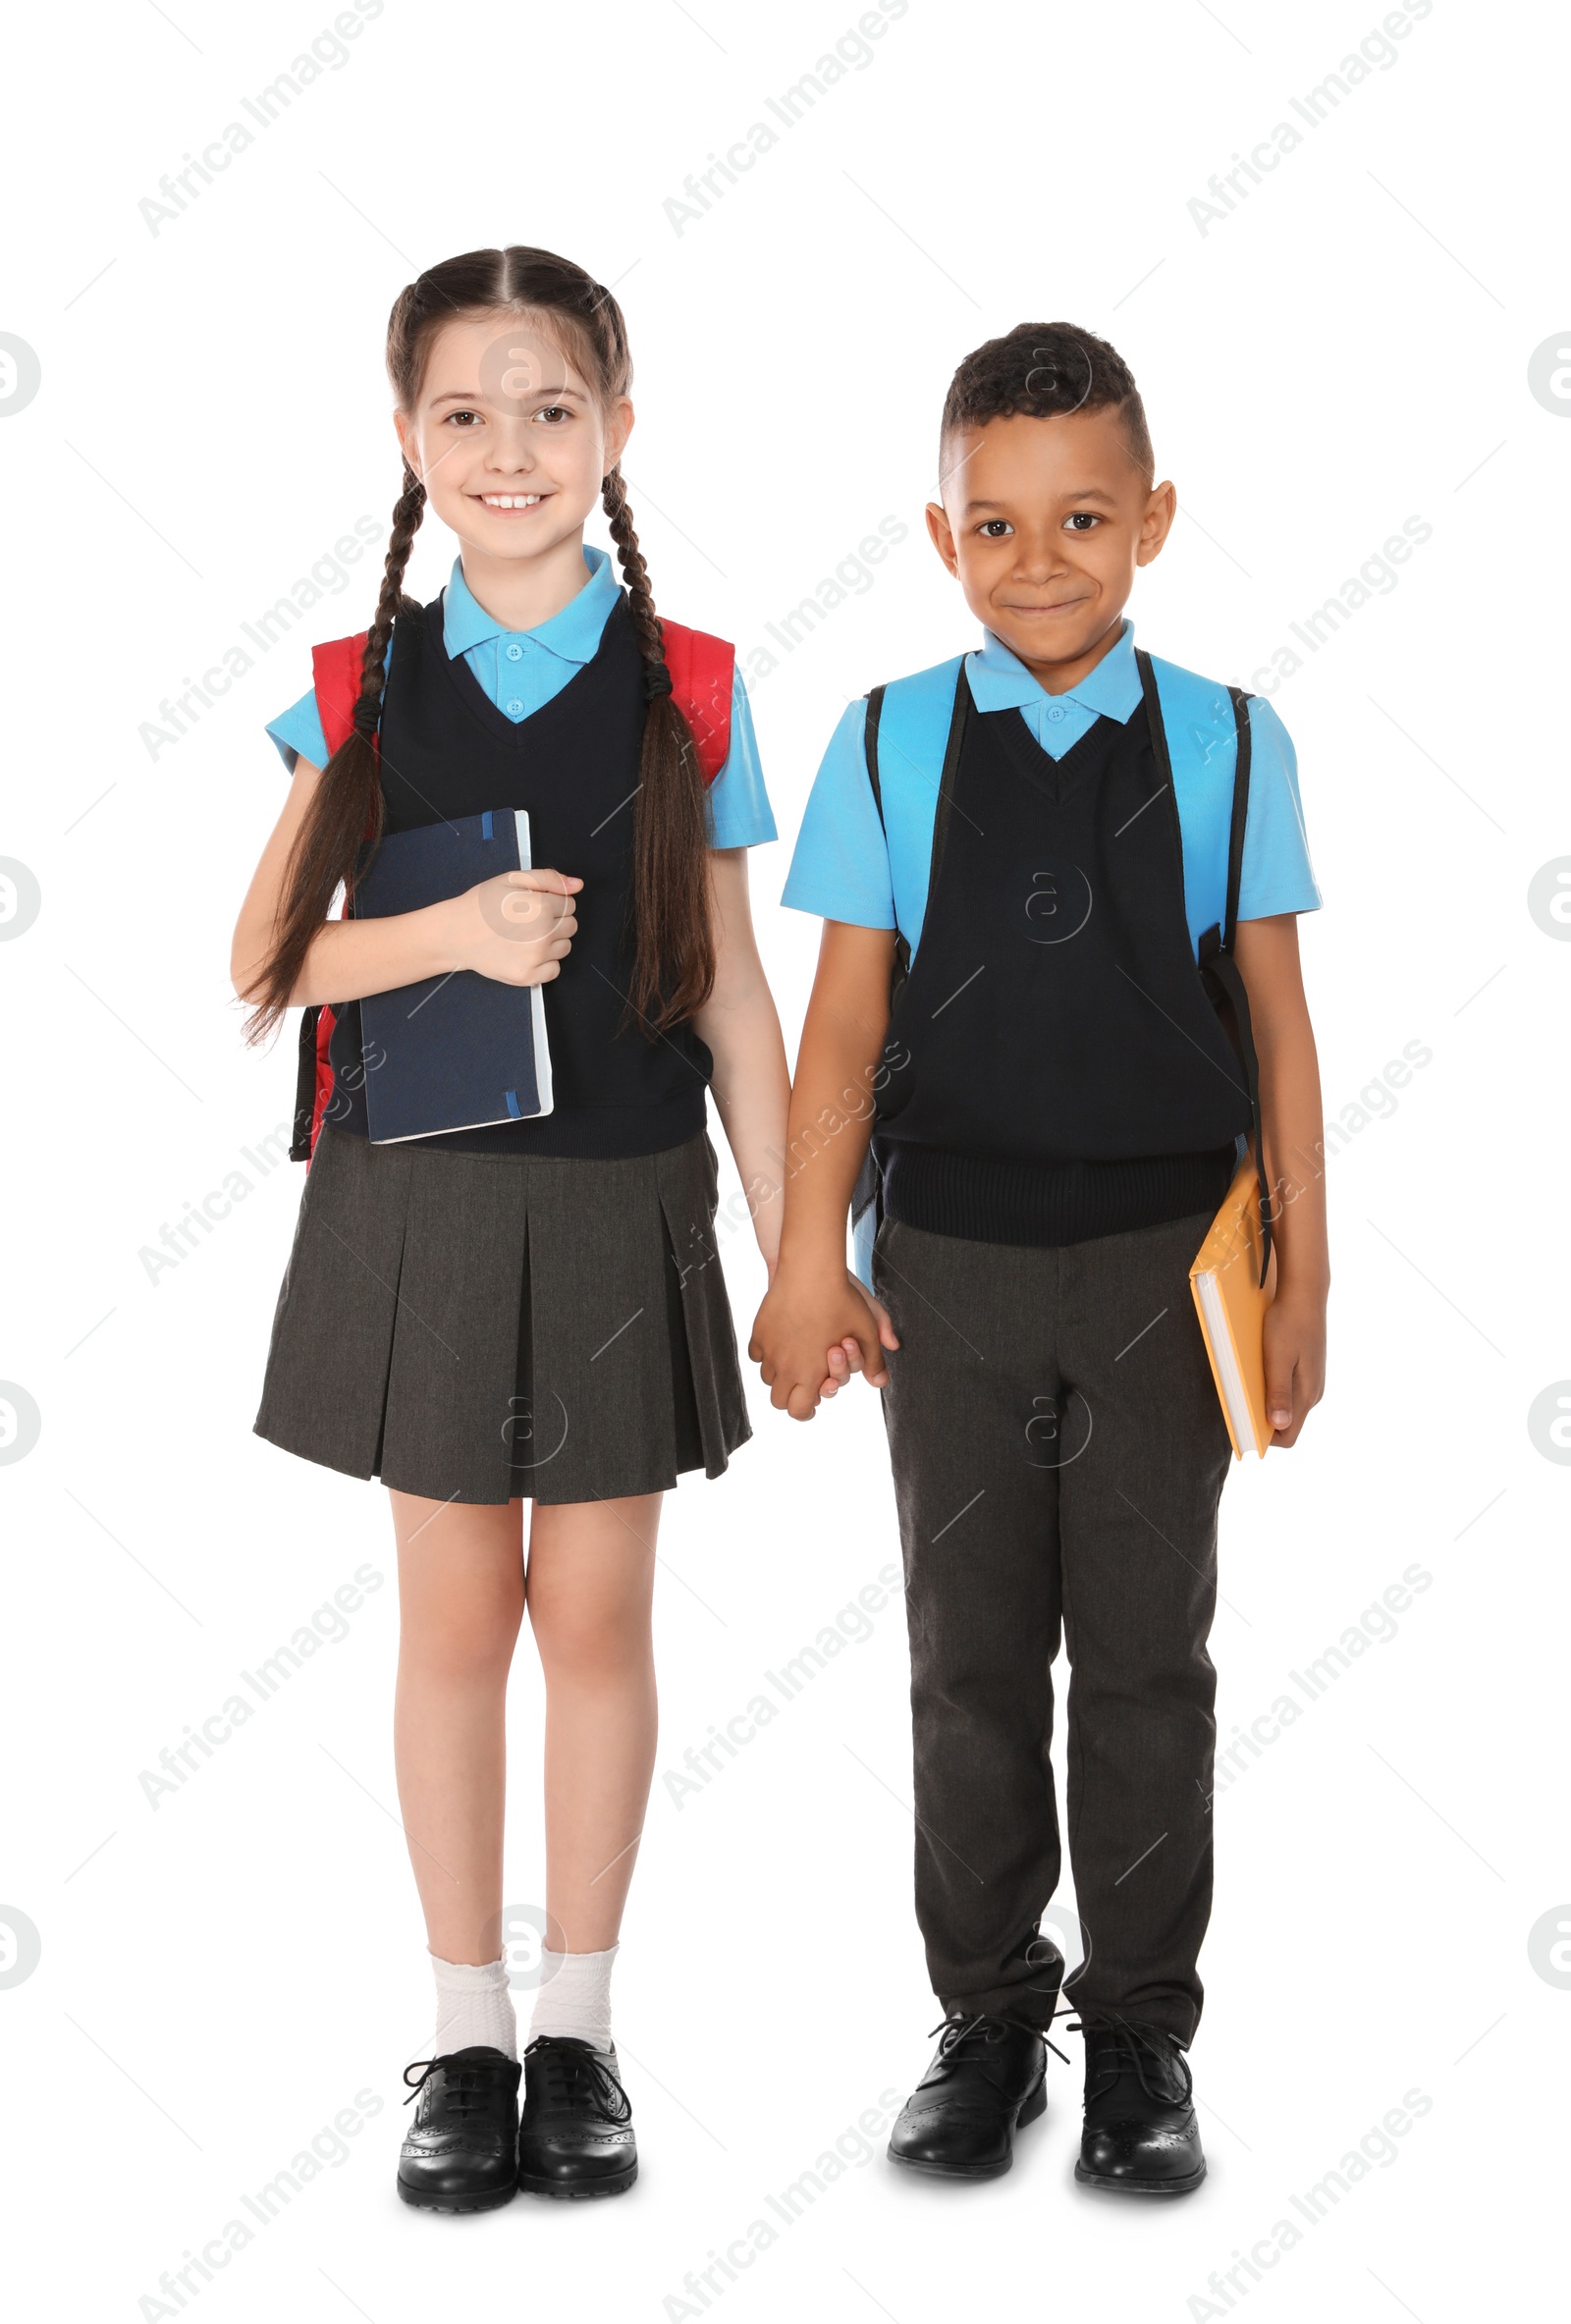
x=1059, y=1453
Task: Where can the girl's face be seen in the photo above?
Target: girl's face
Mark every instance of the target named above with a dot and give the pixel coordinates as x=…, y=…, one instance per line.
x=508, y=438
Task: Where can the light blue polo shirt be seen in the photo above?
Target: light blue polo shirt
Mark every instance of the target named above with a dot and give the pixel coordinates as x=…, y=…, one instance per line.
x=520, y=670
x=849, y=866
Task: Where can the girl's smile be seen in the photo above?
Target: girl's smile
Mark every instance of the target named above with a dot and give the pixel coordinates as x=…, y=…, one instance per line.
x=510, y=504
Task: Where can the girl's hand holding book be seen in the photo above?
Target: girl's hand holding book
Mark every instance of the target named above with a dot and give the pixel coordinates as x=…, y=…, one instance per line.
x=516, y=929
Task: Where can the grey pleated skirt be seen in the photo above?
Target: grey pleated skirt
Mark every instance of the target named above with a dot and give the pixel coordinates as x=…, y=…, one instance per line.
x=485, y=1328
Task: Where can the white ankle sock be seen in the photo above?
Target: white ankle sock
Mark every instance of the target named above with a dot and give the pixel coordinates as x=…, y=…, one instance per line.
x=575, y=1996
x=473, y=2005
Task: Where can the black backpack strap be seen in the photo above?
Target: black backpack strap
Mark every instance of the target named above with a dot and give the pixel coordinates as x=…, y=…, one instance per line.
x=951, y=759
x=1240, y=818
x=875, y=713
x=952, y=748
x=1221, y=971
x=868, y=1189
x=1158, y=731
x=1218, y=965
x=870, y=733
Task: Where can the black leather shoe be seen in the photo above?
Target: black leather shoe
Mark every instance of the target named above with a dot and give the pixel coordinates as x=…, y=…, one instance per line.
x=461, y=2151
x=577, y=2136
x=987, y=2076
x=1141, y=2136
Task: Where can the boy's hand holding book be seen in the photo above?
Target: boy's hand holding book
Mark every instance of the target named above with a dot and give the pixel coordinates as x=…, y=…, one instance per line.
x=1294, y=1352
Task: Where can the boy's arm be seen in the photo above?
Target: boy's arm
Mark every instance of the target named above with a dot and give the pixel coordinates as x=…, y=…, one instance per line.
x=813, y=1304
x=738, y=1025
x=1294, y=1133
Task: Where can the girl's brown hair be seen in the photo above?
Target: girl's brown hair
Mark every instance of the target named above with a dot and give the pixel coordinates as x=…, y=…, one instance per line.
x=675, y=953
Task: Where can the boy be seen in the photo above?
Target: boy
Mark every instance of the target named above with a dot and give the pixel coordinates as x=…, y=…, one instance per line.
x=1029, y=842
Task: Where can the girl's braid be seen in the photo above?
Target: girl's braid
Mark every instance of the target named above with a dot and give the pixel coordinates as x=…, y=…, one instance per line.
x=407, y=513
x=636, y=574
x=674, y=969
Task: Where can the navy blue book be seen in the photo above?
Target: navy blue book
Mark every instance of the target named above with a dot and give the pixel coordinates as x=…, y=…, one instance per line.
x=458, y=1052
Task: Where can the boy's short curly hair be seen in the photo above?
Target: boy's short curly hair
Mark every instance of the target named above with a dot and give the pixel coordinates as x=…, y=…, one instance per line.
x=1044, y=370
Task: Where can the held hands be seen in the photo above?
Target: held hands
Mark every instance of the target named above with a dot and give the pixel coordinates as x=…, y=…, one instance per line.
x=516, y=929
x=812, y=1333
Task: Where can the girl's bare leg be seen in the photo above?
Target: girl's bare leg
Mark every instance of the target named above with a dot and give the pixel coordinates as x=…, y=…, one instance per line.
x=461, y=1596
x=589, y=1591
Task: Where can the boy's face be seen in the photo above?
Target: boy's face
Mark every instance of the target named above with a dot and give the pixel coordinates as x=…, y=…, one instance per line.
x=1044, y=523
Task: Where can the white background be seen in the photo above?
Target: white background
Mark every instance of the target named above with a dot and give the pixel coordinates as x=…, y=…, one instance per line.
x=221, y=1975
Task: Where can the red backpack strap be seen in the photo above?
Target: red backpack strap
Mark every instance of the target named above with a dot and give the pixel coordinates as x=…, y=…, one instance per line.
x=336, y=670
x=336, y=673
x=702, y=670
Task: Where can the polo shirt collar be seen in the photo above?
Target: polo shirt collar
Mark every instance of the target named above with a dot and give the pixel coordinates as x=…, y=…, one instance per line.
x=1000, y=680
x=574, y=634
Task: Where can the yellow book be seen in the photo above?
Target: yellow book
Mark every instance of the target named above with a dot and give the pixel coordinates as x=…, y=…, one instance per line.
x=1232, y=1303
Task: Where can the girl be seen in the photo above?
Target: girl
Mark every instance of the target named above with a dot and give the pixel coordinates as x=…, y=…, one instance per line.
x=531, y=1312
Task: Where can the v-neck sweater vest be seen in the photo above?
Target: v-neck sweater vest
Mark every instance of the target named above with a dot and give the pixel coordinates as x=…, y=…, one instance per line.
x=447, y=750
x=1055, y=1070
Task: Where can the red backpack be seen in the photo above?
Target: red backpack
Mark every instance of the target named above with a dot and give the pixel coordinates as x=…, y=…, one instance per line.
x=702, y=672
